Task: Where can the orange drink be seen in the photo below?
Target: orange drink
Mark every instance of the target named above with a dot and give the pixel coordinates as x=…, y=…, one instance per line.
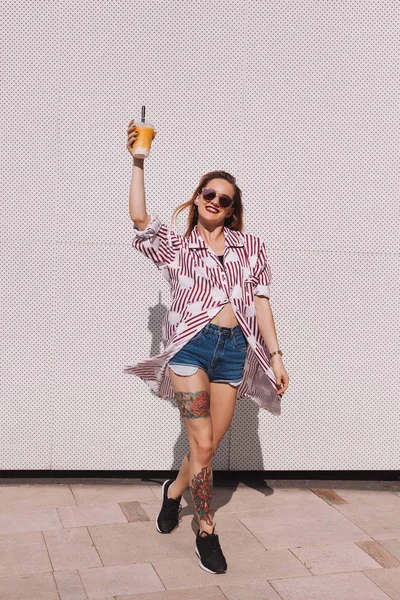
x=142, y=144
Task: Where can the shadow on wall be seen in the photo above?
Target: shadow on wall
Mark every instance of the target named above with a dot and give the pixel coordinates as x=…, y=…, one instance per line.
x=240, y=449
x=156, y=318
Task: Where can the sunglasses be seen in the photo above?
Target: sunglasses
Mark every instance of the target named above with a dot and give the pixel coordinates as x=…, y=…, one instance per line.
x=209, y=194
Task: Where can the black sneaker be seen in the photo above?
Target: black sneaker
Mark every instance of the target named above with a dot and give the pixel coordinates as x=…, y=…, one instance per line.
x=209, y=551
x=168, y=517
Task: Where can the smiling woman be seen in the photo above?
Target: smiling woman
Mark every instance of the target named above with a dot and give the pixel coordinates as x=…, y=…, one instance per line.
x=219, y=190
x=211, y=336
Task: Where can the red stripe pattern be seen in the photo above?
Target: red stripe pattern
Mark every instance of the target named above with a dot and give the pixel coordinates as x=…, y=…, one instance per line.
x=200, y=286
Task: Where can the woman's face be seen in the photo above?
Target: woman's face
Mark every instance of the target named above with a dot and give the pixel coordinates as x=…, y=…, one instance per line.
x=211, y=212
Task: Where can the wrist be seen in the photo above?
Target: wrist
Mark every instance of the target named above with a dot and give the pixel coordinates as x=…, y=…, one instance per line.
x=276, y=355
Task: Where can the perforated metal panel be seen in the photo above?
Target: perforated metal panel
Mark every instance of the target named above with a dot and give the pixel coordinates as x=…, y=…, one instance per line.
x=300, y=102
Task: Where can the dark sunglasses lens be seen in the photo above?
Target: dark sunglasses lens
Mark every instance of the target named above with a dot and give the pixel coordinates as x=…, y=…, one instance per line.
x=208, y=194
x=225, y=202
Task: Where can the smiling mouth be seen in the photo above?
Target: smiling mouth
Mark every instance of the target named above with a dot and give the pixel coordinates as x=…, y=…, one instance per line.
x=213, y=210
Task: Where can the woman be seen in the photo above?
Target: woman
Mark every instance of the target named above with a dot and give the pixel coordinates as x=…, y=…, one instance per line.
x=219, y=334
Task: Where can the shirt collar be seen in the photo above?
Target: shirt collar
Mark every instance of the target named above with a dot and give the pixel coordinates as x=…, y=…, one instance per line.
x=232, y=238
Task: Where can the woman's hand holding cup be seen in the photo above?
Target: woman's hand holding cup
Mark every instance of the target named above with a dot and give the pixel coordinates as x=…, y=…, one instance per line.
x=142, y=134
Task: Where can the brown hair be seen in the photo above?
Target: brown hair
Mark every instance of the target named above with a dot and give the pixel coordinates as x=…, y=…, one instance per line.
x=235, y=221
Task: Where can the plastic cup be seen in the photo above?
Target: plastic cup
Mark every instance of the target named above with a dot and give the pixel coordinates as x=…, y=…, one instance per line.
x=142, y=144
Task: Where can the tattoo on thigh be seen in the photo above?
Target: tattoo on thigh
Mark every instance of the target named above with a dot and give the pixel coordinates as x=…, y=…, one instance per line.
x=201, y=489
x=193, y=404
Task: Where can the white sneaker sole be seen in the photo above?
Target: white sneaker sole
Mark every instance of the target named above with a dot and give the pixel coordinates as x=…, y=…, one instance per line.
x=205, y=568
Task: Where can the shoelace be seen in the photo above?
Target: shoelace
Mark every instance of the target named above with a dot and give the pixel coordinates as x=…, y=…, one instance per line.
x=169, y=510
x=212, y=542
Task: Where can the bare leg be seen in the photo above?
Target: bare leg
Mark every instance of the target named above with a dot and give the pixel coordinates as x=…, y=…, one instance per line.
x=221, y=415
x=201, y=490
x=181, y=482
x=192, y=394
x=195, y=412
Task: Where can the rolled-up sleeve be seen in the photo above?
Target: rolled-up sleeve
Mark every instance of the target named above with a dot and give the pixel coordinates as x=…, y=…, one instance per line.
x=156, y=241
x=261, y=275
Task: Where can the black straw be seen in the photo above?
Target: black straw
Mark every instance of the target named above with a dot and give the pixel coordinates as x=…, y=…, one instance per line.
x=143, y=113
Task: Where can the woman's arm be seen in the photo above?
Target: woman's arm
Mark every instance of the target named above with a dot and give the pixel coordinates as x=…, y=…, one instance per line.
x=137, y=199
x=266, y=325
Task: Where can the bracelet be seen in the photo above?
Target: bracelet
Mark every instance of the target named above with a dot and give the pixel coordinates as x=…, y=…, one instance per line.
x=276, y=352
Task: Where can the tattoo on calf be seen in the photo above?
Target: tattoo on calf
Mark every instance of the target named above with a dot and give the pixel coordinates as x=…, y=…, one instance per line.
x=201, y=490
x=193, y=404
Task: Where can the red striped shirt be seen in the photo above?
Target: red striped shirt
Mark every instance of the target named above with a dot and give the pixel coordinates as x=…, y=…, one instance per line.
x=200, y=287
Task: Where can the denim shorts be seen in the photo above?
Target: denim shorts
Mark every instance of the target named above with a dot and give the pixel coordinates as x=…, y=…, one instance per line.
x=219, y=351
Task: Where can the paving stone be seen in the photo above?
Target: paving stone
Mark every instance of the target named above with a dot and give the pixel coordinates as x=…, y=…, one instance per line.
x=69, y=585
x=133, y=511
x=205, y=593
x=388, y=580
x=80, y=516
x=23, y=554
x=380, y=554
x=152, y=509
x=86, y=494
x=141, y=542
x=306, y=526
x=16, y=498
x=375, y=512
x=253, y=590
x=118, y=580
x=247, y=499
x=335, y=558
x=281, y=542
x=330, y=496
x=349, y=586
x=393, y=546
x=39, y=586
x=71, y=549
x=179, y=573
x=32, y=520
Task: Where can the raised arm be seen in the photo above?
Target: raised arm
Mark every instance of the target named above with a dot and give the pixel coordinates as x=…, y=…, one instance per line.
x=137, y=198
x=150, y=236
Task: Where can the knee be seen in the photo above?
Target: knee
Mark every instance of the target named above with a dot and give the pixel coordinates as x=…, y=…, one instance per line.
x=203, y=450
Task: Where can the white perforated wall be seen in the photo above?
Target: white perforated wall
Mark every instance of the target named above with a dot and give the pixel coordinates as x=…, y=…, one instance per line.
x=299, y=100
